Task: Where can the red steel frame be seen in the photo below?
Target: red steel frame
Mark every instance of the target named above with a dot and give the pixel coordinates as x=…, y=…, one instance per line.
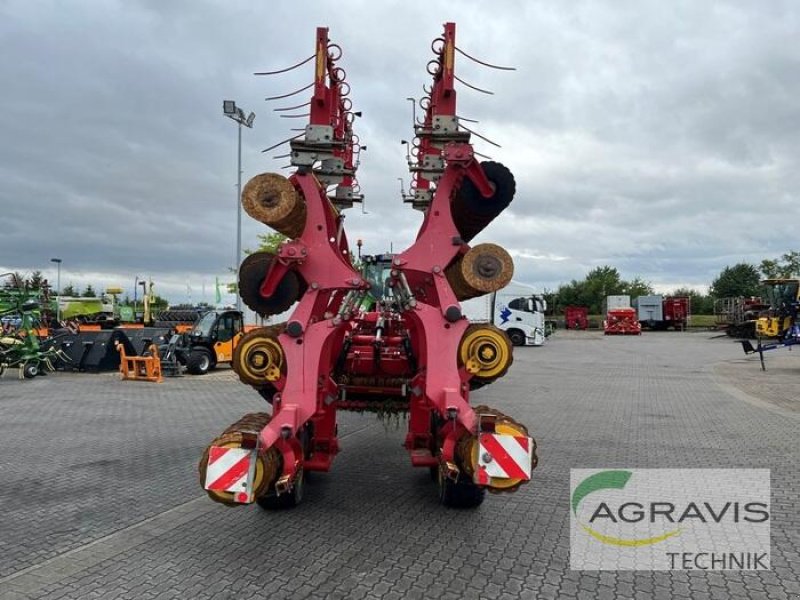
x=316, y=330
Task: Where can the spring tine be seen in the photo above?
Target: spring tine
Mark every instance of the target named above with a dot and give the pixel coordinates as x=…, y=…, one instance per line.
x=481, y=155
x=310, y=85
x=292, y=107
x=283, y=142
x=460, y=118
x=485, y=64
x=485, y=139
x=287, y=155
x=300, y=64
x=469, y=85
x=294, y=116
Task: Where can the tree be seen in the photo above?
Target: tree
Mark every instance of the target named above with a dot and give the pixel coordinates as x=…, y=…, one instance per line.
x=69, y=290
x=638, y=287
x=36, y=281
x=741, y=279
x=268, y=242
x=598, y=283
x=89, y=292
x=14, y=280
x=788, y=265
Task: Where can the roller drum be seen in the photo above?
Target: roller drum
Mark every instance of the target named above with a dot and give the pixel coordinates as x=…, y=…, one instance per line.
x=235, y=436
x=252, y=273
x=471, y=211
x=483, y=269
x=272, y=199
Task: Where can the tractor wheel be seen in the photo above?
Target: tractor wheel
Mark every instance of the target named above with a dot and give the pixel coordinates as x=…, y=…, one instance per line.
x=30, y=370
x=460, y=494
x=284, y=501
x=516, y=336
x=198, y=362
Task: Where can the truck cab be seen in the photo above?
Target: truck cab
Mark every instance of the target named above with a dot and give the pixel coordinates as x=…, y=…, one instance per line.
x=521, y=317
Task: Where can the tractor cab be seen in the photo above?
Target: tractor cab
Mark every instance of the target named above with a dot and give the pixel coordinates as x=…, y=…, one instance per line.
x=376, y=269
x=211, y=341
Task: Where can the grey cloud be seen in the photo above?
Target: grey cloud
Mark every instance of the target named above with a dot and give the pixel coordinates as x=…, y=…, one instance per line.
x=650, y=136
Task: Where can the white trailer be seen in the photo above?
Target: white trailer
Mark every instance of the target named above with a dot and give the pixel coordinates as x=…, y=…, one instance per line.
x=516, y=309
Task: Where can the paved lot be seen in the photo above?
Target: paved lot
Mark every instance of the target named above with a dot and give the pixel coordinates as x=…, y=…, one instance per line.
x=100, y=497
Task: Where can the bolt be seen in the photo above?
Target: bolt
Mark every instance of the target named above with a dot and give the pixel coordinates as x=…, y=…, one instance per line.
x=314, y=285
x=437, y=269
x=292, y=251
x=487, y=458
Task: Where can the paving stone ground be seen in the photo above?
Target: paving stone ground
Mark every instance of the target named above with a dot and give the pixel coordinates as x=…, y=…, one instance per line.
x=100, y=498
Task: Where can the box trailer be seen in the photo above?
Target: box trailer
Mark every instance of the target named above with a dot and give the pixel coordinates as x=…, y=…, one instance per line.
x=663, y=312
x=576, y=317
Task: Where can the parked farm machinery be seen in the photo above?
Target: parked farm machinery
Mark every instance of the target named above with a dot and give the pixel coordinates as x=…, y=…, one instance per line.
x=20, y=346
x=778, y=323
x=392, y=339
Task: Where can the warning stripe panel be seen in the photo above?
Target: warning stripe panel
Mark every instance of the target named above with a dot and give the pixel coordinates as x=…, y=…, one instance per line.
x=509, y=459
x=230, y=467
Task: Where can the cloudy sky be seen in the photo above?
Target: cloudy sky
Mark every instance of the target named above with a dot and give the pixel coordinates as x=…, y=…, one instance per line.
x=658, y=137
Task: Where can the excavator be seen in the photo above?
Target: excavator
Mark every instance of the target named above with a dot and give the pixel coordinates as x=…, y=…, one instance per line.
x=778, y=323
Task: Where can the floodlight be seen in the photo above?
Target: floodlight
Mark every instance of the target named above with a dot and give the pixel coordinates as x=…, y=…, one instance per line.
x=229, y=107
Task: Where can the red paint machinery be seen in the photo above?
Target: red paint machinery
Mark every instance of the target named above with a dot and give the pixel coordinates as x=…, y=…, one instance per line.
x=388, y=338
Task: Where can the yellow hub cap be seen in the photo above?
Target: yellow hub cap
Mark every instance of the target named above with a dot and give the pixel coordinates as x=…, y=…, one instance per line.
x=484, y=352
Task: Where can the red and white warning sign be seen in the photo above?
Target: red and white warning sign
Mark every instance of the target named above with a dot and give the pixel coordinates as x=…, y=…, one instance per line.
x=229, y=470
x=505, y=456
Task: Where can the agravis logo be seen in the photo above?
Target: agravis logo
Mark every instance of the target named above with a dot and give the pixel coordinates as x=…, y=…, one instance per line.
x=666, y=519
x=603, y=481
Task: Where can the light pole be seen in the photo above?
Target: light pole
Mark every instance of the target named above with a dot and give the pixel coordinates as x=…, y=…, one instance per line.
x=58, y=285
x=230, y=110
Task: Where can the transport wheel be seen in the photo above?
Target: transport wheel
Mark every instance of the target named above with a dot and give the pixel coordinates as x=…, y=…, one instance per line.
x=516, y=336
x=459, y=494
x=30, y=370
x=287, y=500
x=198, y=362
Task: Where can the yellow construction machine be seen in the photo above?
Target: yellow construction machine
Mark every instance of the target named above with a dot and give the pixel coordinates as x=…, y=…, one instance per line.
x=783, y=296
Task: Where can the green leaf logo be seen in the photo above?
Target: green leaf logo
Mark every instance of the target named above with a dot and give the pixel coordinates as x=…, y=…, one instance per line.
x=606, y=480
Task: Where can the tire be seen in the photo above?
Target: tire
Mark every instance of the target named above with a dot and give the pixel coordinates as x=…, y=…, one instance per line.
x=198, y=362
x=284, y=501
x=30, y=370
x=460, y=494
x=252, y=272
x=516, y=336
x=471, y=211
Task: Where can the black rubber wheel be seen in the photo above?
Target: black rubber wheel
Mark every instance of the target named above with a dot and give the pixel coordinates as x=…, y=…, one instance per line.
x=516, y=336
x=287, y=500
x=252, y=272
x=471, y=211
x=30, y=370
x=460, y=494
x=198, y=362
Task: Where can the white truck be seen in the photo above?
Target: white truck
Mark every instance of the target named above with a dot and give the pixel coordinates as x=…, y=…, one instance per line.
x=516, y=309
